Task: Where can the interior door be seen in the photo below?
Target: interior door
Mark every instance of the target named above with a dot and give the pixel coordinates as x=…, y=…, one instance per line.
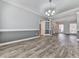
x=47, y=27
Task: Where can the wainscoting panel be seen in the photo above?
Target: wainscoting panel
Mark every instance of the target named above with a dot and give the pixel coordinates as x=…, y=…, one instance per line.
x=16, y=35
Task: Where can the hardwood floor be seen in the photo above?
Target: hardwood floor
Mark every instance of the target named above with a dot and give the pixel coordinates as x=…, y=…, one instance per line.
x=57, y=46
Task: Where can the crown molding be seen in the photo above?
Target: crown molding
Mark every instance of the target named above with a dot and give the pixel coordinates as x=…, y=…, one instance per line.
x=71, y=10
x=22, y=7
x=67, y=13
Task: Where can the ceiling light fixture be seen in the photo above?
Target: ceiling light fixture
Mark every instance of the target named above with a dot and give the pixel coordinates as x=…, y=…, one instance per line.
x=49, y=12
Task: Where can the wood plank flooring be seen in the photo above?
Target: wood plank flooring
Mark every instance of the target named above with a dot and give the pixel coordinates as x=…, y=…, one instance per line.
x=57, y=46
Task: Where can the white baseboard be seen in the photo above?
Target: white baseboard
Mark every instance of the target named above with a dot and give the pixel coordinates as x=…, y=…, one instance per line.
x=66, y=33
x=2, y=44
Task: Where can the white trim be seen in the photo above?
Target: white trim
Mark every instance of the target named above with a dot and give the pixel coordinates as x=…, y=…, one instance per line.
x=8, y=30
x=68, y=33
x=7, y=43
x=67, y=13
x=22, y=7
x=71, y=10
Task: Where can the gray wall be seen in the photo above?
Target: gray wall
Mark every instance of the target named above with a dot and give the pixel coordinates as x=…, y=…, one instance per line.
x=12, y=36
x=12, y=17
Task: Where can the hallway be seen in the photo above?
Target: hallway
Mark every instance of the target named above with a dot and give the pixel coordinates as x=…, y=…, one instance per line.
x=57, y=46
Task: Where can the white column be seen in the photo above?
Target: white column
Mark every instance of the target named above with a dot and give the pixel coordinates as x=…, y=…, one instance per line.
x=42, y=27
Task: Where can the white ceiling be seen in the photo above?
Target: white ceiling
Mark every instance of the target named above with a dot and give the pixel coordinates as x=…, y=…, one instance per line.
x=37, y=5
x=61, y=6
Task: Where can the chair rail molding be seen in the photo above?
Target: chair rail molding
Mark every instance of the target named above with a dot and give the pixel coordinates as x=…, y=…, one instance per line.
x=8, y=30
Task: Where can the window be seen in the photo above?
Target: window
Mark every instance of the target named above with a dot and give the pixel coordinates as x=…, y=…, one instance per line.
x=73, y=28
x=61, y=27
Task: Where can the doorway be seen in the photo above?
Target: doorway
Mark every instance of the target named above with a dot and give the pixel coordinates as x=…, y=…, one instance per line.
x=61, y=28
x=47, y=27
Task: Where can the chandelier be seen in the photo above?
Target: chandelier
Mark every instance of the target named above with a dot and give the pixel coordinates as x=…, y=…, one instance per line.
x=49, y=12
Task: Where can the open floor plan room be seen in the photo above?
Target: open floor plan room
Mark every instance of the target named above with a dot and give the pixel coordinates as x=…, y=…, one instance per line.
x=39, y=28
